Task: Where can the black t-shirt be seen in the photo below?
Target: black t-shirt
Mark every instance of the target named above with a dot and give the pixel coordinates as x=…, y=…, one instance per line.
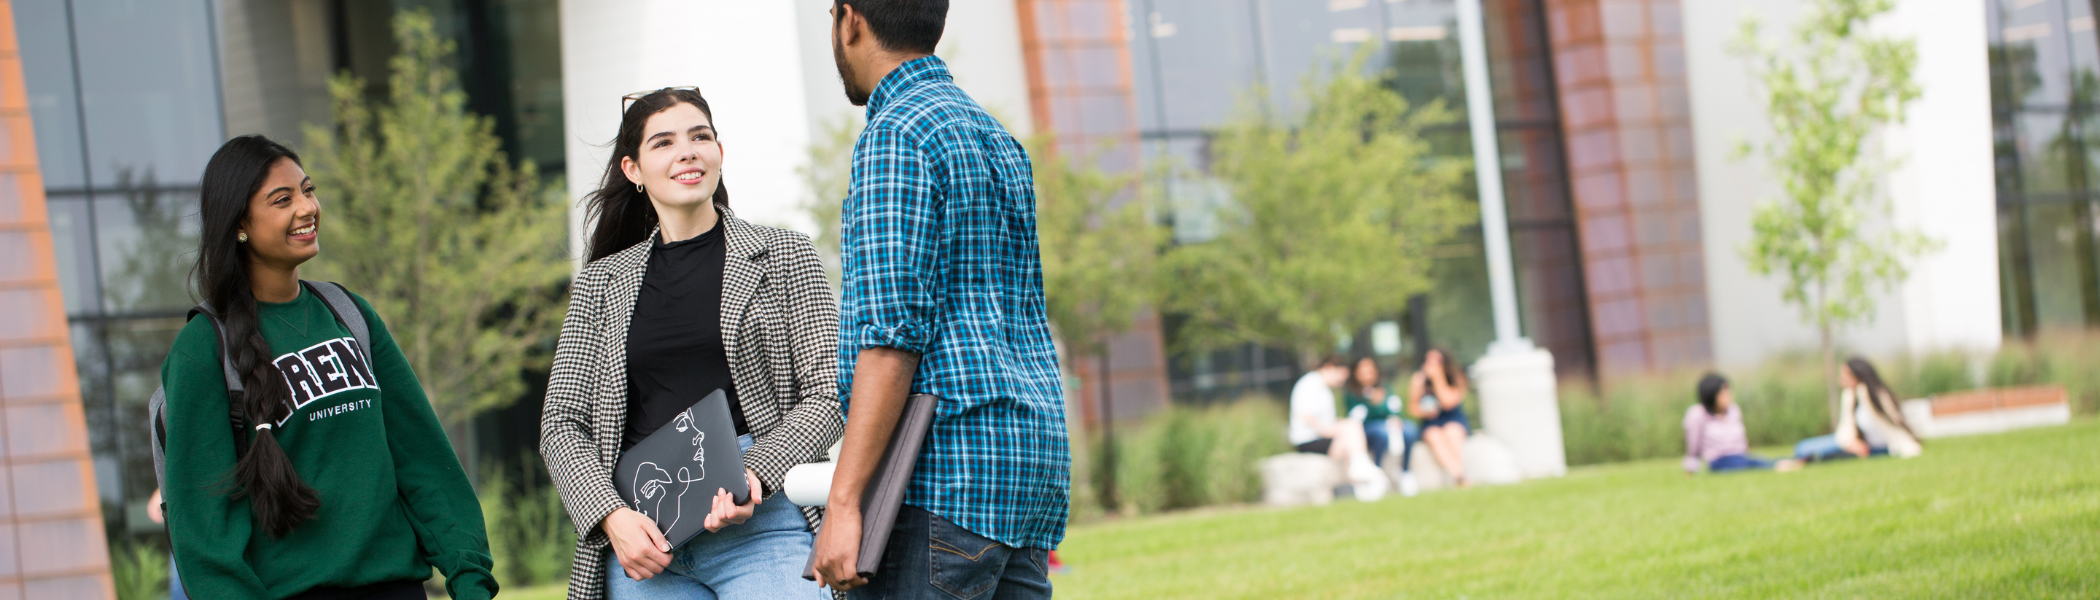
x=675, y=355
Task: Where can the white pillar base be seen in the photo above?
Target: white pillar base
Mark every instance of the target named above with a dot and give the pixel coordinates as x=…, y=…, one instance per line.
x=1520, y=403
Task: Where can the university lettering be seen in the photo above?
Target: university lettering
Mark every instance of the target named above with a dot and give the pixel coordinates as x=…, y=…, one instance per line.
x=322, y=370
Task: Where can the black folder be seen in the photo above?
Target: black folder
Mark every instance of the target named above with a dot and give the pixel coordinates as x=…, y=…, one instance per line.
x=885, y=493
x=669, y=476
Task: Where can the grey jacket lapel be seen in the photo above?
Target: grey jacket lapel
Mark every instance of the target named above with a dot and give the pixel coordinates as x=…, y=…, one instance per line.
x=742, y=271
x=626, y=285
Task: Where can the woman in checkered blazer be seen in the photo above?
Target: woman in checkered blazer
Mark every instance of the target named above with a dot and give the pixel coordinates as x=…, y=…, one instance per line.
x=681, y=298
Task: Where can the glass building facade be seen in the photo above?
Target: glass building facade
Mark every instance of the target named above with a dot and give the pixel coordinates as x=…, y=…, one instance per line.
x=2045, y=100
x=1194, y=63
x=129, y=100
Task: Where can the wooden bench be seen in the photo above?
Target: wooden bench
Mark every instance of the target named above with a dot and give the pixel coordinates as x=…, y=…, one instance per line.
x=1988, y=411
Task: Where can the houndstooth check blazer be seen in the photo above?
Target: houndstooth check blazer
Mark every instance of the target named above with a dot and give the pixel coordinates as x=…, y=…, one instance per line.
x=780, y=329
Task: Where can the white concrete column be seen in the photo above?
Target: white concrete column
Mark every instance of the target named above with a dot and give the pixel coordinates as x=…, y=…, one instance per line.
x=1944, y=184
x=1519, y=401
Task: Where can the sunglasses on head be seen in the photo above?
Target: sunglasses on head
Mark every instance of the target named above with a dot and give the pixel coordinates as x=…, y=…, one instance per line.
x=629, y=100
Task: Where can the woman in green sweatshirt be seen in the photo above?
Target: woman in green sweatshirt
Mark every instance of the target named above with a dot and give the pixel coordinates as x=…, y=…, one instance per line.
x=347, y=487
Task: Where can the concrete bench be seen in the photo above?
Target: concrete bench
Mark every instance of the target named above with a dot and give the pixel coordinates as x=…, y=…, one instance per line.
x=1988, y=411
x=1298, y=478
x=1488, y=462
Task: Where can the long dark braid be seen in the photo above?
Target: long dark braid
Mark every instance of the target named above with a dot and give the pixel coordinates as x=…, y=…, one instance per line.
x=279, y=499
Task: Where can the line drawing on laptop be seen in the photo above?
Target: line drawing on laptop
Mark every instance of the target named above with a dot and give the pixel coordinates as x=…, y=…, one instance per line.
x=652, y=483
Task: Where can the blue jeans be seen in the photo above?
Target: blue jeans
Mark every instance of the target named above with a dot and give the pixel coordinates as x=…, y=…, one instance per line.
x=1825, y=447
x=1379, y=441
x=757, y=560
x=929, y=557
x=1737, y=462
x=175, y=591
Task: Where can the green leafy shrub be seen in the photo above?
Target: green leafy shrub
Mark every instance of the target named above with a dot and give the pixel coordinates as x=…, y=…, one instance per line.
x=1086, y=502
x=529, y=531
x=1932, y=374
x=2071, y=359
x=139, y=572
x=1188, y=457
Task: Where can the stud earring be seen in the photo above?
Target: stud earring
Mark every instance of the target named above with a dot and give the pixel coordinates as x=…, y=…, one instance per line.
x=243, y=237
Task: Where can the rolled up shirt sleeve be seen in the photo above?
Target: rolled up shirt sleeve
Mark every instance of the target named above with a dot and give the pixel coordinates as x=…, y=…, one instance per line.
x=893, y=237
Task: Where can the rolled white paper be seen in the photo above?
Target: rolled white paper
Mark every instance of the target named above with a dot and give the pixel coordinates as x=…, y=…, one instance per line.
x=808, y=484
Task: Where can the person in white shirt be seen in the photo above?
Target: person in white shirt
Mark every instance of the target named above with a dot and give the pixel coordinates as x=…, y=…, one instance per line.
x=1869, y=421
x=1315, y=427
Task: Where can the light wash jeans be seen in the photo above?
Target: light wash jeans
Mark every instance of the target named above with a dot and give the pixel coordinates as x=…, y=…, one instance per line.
x=761, y=559
x=1825, y=447
x=175, y=591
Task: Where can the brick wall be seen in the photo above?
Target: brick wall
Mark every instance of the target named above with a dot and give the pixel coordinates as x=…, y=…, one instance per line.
x=51, y=540
x=1626, y=118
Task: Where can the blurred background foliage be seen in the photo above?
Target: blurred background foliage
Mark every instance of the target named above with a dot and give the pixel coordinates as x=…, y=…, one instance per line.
x=462, y=253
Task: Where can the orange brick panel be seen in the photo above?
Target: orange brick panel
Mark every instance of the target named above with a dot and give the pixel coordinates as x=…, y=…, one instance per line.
x=62, y=547
x=2040, y=395
x=1964, y=402
x=23, y=311
x=45, y=429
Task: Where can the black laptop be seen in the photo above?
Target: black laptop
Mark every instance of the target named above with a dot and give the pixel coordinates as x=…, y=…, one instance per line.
x=672, y=475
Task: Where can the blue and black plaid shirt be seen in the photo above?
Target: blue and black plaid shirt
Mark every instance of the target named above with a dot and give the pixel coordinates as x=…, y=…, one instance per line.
x=940, y=259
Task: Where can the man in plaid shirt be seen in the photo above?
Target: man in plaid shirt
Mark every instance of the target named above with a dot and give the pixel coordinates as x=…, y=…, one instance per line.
x=943, y=295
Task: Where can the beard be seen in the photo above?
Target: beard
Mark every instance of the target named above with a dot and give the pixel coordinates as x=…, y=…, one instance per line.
x=855, y=95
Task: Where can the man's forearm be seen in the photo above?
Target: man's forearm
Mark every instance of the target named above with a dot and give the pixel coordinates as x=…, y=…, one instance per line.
x=881, y=383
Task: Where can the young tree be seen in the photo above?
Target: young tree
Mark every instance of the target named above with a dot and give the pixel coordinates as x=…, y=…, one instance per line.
x=1100, y=248
x=462, y=253
x=1826, y=91
x=1333, y=220
x=828, y=177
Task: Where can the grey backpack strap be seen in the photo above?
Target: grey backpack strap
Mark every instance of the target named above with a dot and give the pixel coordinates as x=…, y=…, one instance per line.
x=234, y=387
x=157, y=406
x=345, y=310
x=236, y=392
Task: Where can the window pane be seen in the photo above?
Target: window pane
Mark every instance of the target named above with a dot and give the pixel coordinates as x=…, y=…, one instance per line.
x=150, y=114
x=2078, y=36
x=73, y=243
x=1303, y=38
x=2034, y=32
x=148, y=241
x=137, y=348
x=1206, y=61
x=2049, y=157
x=2059, y=299
x=1422, y=51
x=47, y=70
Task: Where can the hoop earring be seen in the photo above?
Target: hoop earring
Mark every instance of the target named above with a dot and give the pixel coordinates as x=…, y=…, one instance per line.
x=637, y=187
x=243, y=237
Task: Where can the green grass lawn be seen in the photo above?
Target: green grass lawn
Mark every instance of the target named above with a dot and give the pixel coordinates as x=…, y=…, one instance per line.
x=2012, y=515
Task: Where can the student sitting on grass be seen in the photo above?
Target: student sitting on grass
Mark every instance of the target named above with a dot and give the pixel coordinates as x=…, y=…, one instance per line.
x=1869, y=423
x=1713, y=432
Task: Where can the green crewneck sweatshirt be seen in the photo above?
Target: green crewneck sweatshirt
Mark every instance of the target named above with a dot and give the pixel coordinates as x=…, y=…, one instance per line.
x=394, y=500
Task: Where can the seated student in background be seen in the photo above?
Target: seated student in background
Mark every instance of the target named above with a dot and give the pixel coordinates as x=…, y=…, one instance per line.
x=1437, y=396
x=1314, y=428
x=1367, y=399
x=1713, y=432
x=1869, y=422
